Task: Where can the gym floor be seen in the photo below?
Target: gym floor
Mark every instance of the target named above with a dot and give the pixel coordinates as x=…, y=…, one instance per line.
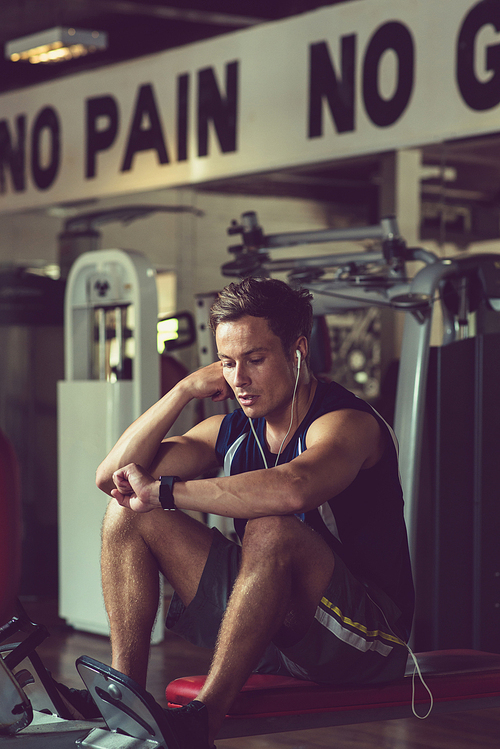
x=174, y=657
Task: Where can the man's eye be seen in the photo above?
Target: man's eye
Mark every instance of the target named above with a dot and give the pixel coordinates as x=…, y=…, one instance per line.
x=256, y=361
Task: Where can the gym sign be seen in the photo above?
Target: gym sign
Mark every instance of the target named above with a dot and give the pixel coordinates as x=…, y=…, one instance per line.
x=359, y=77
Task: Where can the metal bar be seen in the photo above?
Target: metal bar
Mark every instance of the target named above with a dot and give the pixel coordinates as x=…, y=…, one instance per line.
x=119, y=312
x=329, y=296
x=411, y=389
x=187, y=15
x=328, y=235
x=101, y=313
x=323, y=261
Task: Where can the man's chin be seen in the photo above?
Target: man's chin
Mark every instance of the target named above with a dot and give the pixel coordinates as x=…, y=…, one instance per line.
x=253, y=411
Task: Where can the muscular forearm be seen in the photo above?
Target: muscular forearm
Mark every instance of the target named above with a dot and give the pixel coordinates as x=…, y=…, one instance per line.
x=259, y=493
x=276, y=492
x=306, y=482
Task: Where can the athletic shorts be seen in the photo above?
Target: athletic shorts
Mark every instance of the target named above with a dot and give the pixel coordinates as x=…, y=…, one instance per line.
x=352, y=638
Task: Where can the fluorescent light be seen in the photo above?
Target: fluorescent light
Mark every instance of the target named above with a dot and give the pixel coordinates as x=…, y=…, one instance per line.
x=56, y=45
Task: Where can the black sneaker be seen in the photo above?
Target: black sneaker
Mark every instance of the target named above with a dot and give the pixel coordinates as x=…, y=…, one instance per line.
x=79, y=702
x=187, y=726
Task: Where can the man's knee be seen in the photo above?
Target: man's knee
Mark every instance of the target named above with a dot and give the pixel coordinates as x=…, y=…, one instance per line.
x=120, y=522
x=114, y=516
x=272, y=534
x=286, y=539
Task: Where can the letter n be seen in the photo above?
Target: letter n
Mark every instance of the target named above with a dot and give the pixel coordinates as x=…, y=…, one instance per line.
x=13, y=156
x=213, y=107
x=324, y=84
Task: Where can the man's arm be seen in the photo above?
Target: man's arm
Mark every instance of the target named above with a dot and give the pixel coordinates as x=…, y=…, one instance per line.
x=339, y=445
x=143, y=442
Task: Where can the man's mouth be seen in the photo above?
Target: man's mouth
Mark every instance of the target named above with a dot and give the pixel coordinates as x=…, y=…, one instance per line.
x=247, y=400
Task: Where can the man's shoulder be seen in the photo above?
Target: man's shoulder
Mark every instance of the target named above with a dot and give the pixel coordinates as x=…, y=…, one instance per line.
x=331, y=396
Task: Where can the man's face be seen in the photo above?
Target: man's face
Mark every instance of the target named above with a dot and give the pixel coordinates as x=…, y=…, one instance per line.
x=255, y=366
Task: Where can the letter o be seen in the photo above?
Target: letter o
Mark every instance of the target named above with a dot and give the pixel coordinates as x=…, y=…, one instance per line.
x=396, y=36
x=44, y=176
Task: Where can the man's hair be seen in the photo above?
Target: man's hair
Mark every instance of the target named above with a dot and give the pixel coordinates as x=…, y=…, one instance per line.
x=288, y=311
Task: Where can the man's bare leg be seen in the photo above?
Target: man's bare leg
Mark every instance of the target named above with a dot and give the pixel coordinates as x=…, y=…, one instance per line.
x=284, y=572
x=135, y=547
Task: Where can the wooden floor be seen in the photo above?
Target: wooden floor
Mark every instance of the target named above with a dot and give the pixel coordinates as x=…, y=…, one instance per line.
x=174, y=658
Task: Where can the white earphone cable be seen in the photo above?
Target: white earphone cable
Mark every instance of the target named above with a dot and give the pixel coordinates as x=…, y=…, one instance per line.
x=291, y=413
x=257, y=441
x=299, y=357
x=416, y=670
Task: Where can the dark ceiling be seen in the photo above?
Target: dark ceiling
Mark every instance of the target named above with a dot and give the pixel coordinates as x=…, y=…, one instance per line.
x=134, y=27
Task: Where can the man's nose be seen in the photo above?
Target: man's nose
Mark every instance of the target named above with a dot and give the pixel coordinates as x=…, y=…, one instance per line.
x=241, y=377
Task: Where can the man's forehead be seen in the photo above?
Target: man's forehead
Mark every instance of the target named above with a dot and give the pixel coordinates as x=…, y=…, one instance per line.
x=247, y=322
x=252, y=332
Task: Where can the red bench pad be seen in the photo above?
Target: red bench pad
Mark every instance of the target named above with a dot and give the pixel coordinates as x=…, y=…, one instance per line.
x=450, y=675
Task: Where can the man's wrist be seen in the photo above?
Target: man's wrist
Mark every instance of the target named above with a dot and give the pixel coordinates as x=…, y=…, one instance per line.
x=165, y=492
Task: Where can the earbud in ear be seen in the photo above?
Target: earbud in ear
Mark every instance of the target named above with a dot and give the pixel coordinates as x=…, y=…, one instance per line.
x=299, y=357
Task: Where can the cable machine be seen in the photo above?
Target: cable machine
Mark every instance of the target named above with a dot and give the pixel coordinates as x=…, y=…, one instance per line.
x=460, y=286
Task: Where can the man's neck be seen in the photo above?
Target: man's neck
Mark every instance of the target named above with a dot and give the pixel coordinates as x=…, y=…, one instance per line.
x=276, y=429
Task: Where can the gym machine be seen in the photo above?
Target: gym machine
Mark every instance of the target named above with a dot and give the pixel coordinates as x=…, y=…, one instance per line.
x=111, y=377
x=450, y=479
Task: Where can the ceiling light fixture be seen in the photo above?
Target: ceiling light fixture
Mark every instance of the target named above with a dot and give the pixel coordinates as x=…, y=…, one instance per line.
x=56, y=45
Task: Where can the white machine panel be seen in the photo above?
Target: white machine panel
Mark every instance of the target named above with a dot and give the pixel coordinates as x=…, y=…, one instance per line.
x=111, y=377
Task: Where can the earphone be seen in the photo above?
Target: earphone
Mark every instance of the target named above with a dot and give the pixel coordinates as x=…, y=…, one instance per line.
x=299, y=361
x=416, y=669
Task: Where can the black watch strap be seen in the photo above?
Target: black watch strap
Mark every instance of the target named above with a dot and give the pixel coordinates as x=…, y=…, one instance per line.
x=166, y=496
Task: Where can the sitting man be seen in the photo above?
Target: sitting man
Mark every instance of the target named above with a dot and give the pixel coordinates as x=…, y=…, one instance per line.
x=320, y=587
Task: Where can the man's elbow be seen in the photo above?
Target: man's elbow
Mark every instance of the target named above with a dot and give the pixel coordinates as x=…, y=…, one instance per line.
x=298, y=499
x=103, y=481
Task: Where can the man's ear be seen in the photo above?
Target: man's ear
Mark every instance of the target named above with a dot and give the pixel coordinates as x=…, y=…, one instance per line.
x=301, y=347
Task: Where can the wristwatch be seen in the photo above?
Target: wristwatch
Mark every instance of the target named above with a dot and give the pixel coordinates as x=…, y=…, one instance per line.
x=165, y=496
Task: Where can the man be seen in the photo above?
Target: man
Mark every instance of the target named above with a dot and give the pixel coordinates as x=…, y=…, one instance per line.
x=320, y=587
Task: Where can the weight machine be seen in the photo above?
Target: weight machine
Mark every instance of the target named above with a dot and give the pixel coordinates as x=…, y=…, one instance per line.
x=448, y=393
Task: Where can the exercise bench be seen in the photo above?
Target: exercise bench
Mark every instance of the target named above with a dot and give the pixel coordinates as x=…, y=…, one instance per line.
x=457, y=679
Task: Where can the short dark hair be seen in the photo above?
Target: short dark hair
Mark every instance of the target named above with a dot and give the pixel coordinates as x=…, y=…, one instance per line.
x=288, y=311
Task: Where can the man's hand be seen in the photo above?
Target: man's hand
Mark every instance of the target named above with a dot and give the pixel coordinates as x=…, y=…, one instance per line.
x=136, y=489
x=209, y=382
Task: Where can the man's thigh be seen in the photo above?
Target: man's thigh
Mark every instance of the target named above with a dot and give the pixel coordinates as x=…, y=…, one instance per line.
x=290, y=542
x=294, y=557
x=353, y=637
